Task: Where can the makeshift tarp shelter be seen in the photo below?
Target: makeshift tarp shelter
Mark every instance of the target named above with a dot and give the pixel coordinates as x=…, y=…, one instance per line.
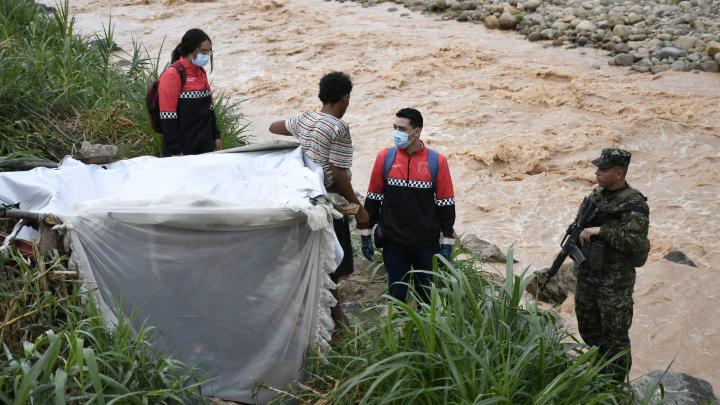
x=224, y=253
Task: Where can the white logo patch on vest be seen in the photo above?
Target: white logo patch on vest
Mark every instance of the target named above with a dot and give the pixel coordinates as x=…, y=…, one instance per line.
x=423, y=168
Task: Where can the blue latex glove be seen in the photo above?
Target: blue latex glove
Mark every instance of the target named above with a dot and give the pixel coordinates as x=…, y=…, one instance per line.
x=446, y=251
x=446, y=247
x=367, y=245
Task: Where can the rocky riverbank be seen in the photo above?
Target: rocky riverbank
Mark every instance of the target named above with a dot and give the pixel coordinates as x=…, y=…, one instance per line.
x=648, y=36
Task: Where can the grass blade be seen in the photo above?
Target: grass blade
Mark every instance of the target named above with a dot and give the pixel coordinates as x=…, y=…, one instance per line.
x=94, y=374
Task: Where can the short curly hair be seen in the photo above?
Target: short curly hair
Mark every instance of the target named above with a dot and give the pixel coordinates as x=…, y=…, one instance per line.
x=333, y=87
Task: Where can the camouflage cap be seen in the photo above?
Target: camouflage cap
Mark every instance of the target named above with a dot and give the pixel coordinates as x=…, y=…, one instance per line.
x=611, y=157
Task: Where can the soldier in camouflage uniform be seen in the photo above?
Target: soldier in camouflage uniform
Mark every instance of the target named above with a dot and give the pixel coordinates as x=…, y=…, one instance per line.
x=614, y=244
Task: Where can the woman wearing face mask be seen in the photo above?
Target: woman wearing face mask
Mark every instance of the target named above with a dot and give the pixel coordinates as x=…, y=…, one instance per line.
x=187, y=118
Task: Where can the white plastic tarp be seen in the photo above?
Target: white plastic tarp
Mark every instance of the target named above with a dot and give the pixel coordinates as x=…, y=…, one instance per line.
x=224, y=253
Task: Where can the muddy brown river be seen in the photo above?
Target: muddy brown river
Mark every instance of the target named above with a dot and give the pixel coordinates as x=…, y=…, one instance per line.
x=518, y=123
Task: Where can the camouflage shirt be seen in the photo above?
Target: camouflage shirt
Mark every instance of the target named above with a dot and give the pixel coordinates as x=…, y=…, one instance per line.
x=622, y=232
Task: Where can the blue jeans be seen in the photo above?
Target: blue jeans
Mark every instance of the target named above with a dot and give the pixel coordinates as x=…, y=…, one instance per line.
x=398, y=261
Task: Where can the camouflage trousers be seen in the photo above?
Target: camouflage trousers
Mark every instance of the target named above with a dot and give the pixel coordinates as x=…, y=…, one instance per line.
x=604, y=316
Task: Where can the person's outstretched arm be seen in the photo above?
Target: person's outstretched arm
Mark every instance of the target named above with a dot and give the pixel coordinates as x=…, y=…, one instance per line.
x=279, y=128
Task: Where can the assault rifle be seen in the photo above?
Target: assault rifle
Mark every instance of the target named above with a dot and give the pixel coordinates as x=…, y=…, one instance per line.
x=570, y=244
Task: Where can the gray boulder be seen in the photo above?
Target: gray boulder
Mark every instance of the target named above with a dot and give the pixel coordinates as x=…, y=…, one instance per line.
x=684, y=389
x=531, y=5
x=659, y=68
x=491, y=22
x=349, y=311
x=535, y=36
x=664, y=10
x=679, y=258
x=486, y=250
x=711, y=66
x=585, y=26
x=355, y=310
x=91, y=153
x=621, y=31
x=686, y=42
x=507, y=21
x=560, y=322
x=713, y=48
x=624, y=59
x=634, y=18
x=671, y=52
x=559, y=286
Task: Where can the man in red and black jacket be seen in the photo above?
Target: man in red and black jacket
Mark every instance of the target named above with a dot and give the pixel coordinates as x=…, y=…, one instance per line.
x=412, y=203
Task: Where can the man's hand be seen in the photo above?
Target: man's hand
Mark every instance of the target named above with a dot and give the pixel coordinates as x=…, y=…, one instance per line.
x=218, y=145
x=362, y=218
x=587, y=233
x=341, y=185
x=367, y=245
x=446, y=247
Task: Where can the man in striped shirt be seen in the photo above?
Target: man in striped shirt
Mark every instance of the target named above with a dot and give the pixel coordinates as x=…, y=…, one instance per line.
x=325, y=139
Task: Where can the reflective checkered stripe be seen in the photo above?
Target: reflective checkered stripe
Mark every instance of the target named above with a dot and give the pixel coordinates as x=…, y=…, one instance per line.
x=409, y=183
x=375, y=196
x=447, y=201
x=168, y=115
x=195, y=94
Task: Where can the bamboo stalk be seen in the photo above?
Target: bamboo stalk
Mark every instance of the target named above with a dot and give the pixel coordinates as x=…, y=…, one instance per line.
x=263, y=385
x=33, y=312
x=13, y=308
x=43, y=279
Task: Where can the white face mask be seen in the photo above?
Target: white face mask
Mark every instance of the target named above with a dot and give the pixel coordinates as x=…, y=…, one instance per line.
x=201, y=60
x=401, y=139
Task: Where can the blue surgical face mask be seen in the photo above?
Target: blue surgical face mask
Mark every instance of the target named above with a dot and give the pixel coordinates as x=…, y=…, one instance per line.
x=401, y=138
x=201, y=60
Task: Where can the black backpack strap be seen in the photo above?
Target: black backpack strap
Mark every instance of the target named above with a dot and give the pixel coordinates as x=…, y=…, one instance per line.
x=181, y=70
x=615, y=213
x=634, y=208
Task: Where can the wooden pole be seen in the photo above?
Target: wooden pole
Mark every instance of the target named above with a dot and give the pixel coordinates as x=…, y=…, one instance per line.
x=23, y=166
x=21, y=214
x=49, y=239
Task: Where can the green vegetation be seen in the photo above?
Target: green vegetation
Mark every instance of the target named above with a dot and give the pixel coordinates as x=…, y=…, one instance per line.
x=476, y=342
x=519, y=16
x=58, y=349
x=58, y=89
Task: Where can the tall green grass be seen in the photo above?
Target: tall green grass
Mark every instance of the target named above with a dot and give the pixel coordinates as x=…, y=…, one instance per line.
x=57, y=348
x=476, y=342
x=58, y=89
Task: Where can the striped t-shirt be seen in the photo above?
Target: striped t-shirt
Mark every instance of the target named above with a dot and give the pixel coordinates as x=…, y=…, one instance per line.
x=325, y=140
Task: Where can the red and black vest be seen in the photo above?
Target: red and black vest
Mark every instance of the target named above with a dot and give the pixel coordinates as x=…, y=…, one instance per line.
x=187, y=118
